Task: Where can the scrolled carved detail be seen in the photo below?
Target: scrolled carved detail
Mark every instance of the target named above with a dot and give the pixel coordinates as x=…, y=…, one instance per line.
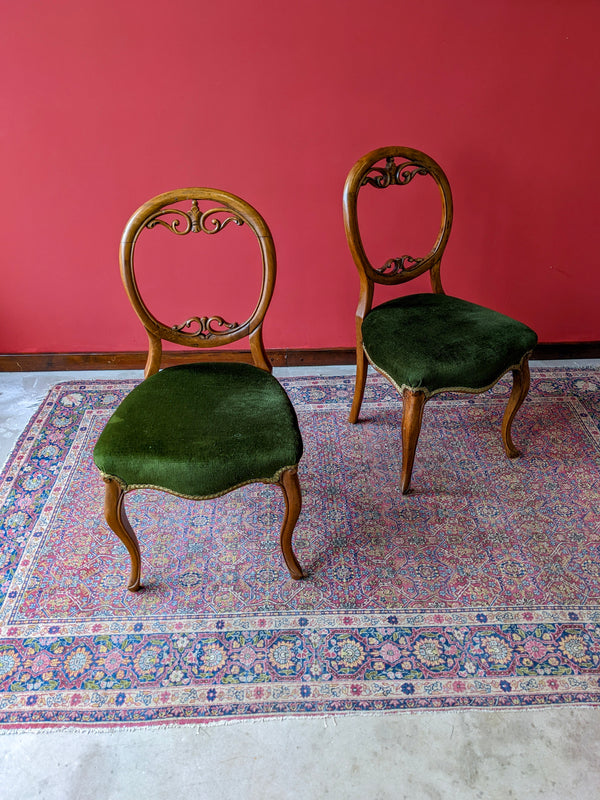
x=199, y=219
x=206, y=329
x=394, y=266
x=393, y=174
x=173, y=225
x=195, y=221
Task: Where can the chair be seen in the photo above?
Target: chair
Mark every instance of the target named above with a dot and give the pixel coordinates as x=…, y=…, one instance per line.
x=426, y=343
x=200, y=430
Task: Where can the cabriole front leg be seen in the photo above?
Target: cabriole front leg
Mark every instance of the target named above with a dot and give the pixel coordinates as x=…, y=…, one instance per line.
x=521, y=381
x=293, y=504
x=114, y=513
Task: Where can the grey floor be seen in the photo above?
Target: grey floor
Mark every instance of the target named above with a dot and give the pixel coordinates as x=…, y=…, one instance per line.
x=552, y=753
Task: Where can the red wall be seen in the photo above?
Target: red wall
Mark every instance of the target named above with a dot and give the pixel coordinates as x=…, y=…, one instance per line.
x=108, y=102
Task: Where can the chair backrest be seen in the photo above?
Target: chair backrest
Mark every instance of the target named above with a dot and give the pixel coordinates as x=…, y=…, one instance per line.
x=198, y=331
x=379, y=169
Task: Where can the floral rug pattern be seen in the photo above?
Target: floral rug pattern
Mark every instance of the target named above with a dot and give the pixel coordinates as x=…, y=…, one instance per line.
x=480, y=588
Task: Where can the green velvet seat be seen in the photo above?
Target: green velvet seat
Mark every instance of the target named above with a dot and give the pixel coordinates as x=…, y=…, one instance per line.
x=200, y=430
x=426, y=343
x=435, y=343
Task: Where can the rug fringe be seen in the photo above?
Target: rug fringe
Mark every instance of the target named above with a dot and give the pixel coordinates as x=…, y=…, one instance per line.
x=326, y=720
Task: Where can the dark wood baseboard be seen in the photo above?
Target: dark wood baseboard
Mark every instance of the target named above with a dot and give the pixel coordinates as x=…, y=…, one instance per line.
x=47, y=362
x=566, y=350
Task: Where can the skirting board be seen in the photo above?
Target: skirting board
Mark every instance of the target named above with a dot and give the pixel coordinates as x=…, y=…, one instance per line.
x=47, y=362
x=43, y=362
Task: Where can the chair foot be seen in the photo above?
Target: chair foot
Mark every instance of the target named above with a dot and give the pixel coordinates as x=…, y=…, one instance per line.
x=362, y=365
x=412, y=415
x=114, y=513
x=520, y=388
x=290, y=486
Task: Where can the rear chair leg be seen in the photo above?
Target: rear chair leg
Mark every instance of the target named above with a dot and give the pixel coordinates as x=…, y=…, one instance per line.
x=114, y=513
x=293, y=503
x=362, y=365
x=412, y=415
x=521, y=380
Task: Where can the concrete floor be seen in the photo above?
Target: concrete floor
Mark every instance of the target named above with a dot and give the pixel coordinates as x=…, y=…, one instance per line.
x=552, y=753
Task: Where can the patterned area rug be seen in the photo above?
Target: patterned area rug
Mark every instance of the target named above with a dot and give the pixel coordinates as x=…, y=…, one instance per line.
x=481, y=588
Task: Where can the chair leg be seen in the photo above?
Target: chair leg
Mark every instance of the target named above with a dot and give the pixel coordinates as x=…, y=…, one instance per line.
x=293, y=503
x=114, y=513
x=521, y=380
x=412, y=415
x=362, y=365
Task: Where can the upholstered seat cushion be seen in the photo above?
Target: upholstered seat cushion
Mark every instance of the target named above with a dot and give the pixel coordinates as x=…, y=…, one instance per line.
x=434, y=342
x=200, y=430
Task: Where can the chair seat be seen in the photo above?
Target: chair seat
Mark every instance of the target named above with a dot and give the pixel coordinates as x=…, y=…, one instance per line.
x=200, y=430
x=434, y=343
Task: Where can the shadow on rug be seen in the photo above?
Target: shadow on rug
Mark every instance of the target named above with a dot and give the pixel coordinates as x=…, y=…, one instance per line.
x=481, y=588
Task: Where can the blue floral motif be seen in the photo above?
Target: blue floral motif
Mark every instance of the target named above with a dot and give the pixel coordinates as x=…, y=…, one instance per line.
x=9, y=662
x=408, y=688
x=286, y=655
x=149, y=661
x=494, y=650
x=433, y=652
x=346, y=653
x=505, y=686
x=211, y=658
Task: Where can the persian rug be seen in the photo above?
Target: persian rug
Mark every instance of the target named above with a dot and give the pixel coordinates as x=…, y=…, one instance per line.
x=480, y=588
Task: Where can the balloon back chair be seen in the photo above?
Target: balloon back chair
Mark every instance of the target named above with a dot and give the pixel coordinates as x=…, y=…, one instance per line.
x=200, y=430
x=426, y=343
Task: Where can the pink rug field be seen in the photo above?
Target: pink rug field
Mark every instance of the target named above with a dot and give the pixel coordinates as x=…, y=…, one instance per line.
x=480, y=588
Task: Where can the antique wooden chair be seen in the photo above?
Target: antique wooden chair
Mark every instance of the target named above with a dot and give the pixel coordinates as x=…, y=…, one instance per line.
x=200, y=430
x=426, y=343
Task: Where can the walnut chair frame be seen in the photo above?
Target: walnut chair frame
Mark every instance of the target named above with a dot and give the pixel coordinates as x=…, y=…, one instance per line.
x=199, y=332
x=413, y=163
